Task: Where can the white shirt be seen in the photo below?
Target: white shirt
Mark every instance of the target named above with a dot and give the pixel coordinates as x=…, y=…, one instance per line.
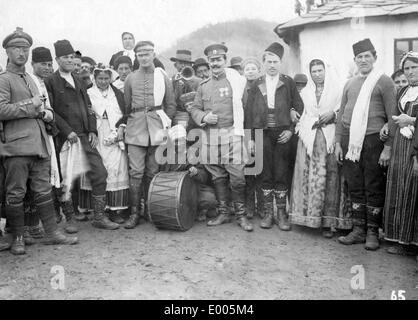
x=271, y=83
x=68, y=77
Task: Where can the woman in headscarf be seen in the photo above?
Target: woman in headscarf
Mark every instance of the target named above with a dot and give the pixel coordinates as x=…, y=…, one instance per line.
x=252, y=71
x=109, y=107
x=318, y=197
x=401, y=206
x=123, y=66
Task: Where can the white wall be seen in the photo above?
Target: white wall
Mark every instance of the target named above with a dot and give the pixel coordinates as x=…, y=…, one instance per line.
x=333, y=41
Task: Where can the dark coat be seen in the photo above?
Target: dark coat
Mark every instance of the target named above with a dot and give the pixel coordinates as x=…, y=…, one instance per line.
x=286, y=98
x=157, y=62
x=72, y=106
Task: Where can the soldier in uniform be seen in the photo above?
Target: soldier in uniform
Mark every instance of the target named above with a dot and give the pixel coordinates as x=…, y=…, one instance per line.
x=218, y=109
x=25, y=145
x=150, y=105
x=269, y=105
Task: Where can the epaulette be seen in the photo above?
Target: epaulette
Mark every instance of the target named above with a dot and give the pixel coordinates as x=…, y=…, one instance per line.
x=204, y=81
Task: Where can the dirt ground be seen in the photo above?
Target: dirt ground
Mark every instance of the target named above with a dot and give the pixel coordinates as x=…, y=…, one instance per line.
x=204, y=263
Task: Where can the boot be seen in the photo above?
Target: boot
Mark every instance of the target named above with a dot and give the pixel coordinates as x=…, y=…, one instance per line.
x=115, y=217
x=242, y=219
x=267, y=220
x=372, y=240
x=135, y=193
x=358, y=235
x=4, y=244
x=68, y=210
x=29, y=240
x=36, y=232
x=18, y=245
x=100, y=220
x=201, y=217
x=57, y=237
x=327, y=233
x=281, y=220
x=222, y=217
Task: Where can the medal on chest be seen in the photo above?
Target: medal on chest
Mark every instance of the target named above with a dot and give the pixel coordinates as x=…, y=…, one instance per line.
x=224, y=92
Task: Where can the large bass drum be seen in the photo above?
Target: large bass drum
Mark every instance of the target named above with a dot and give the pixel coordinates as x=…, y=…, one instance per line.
x=172, y=200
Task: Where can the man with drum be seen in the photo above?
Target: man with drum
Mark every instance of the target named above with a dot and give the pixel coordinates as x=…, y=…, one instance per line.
x=150, y=104
x=218, y=109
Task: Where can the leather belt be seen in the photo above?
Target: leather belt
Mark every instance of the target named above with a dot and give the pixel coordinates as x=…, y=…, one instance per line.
x=146, y=109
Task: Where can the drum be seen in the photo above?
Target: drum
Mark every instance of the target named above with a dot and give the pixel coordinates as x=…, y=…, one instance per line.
x=172, y=200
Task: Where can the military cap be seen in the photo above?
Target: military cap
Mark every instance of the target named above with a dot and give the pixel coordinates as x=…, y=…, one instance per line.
x=362, y=46
x=275, y=48
x=63, y=48
x=18, y=38
x=41, y=54
x=144, y=46
x=88, y=60
x=216, y=49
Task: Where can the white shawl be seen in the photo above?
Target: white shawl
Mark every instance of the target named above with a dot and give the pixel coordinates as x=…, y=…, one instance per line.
x=101, y=104
x=159, y=92
x=330, y=101
x=360, y=116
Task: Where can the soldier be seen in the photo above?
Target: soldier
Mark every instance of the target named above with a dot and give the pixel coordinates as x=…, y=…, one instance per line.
x=150, y=102
x=25, y=145
x=77, y=124
x=269, y=105
x=218, y=108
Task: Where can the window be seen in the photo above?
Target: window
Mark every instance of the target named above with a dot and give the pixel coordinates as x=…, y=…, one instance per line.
x=402, y=46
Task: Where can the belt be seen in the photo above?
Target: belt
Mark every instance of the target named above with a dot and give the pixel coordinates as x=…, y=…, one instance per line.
x=146, y=109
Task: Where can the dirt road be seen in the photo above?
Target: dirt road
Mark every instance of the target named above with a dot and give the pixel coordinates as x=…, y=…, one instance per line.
x=204, y=263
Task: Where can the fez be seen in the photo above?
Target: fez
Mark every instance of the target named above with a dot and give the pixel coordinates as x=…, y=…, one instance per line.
x=200, y=62
x=78, y=54
x=276, y=48
x=41, y=54
x=123, y=59
x=300, y=78
x=88, y=60
x=144, y=46
x=17, y=39
x=182, y=55
x=63, y=48
x=362, y=46
x=215, y=50
x=236, y=62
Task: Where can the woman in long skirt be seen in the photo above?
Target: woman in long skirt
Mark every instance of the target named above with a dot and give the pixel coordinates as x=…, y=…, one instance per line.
x=108, y=105
x=319, y=196
x=401, y=206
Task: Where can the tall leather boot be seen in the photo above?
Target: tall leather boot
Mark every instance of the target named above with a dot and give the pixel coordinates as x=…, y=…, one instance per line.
x=281, y=220
x=68, y=210
x=267, y=221
x=242, y=220
x=374, y=216
x=53, y=236
x=16, y=219
x=135, y=193
x=221, y=192
x=100, y=219
x=358, y=234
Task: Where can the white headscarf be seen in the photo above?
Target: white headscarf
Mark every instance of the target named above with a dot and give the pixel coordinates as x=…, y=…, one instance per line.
x=330, y=101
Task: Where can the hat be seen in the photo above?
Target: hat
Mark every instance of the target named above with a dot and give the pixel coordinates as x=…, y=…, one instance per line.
x=215, y=50
x=250, y=60
x=78, y=54
x=182, y=55
x=200, y=62
x=236, y=62
x=362, y=46
x=88, y=60
x=63, y=48
x=300, y=78
x=275, y=48
x=18, y=39
x=126, y=32
x=122, y=59
x=41, y=54
x=144, y=46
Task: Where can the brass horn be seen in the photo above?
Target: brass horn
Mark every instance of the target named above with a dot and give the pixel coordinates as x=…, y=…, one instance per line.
x=187, y=73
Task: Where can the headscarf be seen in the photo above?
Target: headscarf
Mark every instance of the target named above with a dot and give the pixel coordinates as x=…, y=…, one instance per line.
x=330, y=101
x=408, y=55
x=109, y=71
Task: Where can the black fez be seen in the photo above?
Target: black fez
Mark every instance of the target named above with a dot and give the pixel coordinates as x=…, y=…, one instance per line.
x=17, y=38
x=147, y=44
x=363, y=46
x=200, y=62
x=88, y=60
x=123, y=59
x=276, y=48
x=216, y=49
x=63, y=48
x=41, y=54
x=78, y=54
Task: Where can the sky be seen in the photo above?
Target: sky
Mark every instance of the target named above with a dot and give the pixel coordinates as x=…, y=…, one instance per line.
x=94, y=26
